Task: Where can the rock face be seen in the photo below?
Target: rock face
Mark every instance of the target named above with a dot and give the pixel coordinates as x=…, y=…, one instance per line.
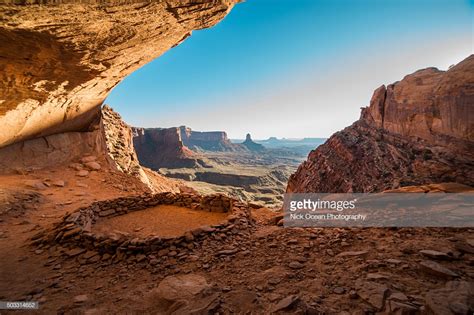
x=178, y=147
x=158, y=147
x=251, y=145
x=60, y=59
x=109, y=140
x=416, y=131
x=55, y=149
x=207, y=140
x=119, y=143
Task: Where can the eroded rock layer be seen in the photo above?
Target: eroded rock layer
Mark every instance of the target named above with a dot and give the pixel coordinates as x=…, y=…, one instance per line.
x=119, y=142
x=207, y=140
x=60, y=59
x=416, y=131
x=162, y=147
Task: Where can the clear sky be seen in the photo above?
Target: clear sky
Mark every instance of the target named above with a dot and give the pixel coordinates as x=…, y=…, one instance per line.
x=293, y=68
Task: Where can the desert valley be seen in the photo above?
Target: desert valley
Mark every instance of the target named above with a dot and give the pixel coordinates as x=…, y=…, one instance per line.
x=101, y=217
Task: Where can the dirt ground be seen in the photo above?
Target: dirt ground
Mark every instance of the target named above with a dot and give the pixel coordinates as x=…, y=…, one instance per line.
x=162, y=220
x=268, y=269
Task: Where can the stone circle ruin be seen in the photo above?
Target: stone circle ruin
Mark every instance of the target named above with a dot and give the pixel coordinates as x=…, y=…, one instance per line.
x=75, y=231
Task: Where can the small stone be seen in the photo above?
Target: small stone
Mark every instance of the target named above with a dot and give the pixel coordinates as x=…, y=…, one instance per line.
x=353, y=294
x=398, y=296
x=89, y=254
x=227, y=252
x=464, y=247
x=393, y=261
x=397, y=307
x=37, y=185
x=180, y=287
x=377, y=276
x=59, y=183
x=435, y=254
x=76, y=166
x=80, y=298
x=295, y=265
x=272, y=297
x=93, y=166
x=94, y=259
x=88, y=159
x=82, y=173
x=188, y=236
x=436, y=269
x=274, y=281
x=353, y=253
x=339, y=290
x=106, y=213
x=75, y=252
x=285, y=303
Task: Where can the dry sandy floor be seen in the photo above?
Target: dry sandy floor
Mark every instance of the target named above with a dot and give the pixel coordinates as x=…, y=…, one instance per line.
x=163, y=220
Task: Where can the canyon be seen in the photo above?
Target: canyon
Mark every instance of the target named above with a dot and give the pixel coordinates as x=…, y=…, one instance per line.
x=84, y=196
x=209, y=162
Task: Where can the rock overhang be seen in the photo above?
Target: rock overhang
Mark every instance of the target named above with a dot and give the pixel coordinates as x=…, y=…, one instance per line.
x=62, y=58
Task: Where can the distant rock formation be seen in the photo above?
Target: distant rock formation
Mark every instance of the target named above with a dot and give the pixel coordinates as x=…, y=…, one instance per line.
x=251, y=145
x=60, y=59
x=416, y=131
x=162, y=147
x=207, y=140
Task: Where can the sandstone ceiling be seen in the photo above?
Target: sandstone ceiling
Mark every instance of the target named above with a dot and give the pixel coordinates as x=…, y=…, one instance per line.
x=60, y=59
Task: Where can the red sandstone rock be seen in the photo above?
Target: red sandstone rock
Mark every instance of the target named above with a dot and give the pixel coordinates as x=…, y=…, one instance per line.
x=416, y=131
x=158, y=147
x=61, y=59
x=207, y=140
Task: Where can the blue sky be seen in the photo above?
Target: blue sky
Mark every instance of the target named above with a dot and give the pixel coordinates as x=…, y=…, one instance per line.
x=293, y=68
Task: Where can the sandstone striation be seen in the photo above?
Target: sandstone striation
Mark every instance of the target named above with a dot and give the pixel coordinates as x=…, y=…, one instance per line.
x=60, y=59
x=179, y=147
x=109, y=141
x=162, y=147
x=207, y=140
x=416, y=131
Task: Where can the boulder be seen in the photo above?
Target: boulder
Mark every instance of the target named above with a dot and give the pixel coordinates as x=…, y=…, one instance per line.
x=285, y=303
x=457, y=297
x=58, y=183
x=88, y=159
x=436, y=269
x=434, y=254
x=93, y=166
x=180, y=287
x=82, y=173
x=373, y=293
